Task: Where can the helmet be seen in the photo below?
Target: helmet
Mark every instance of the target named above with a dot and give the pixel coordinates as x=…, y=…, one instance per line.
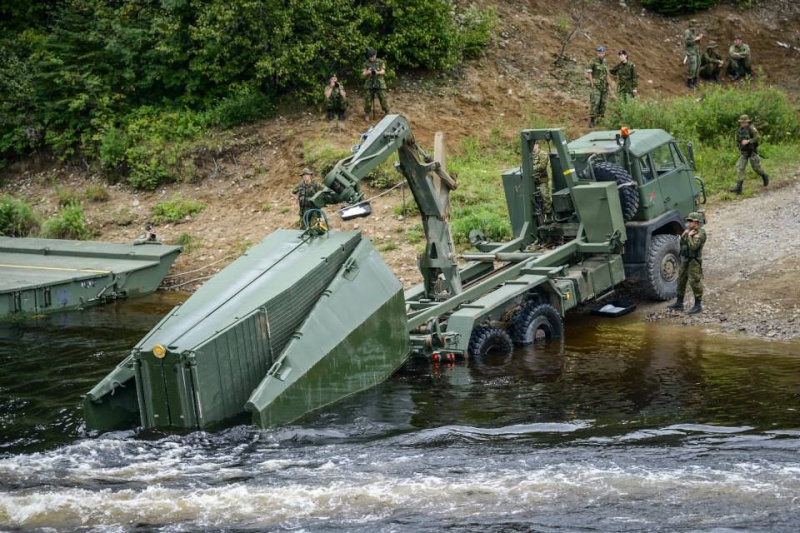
x=744, y=118
x=371, y=52
x=307, y=171
x=694, y=217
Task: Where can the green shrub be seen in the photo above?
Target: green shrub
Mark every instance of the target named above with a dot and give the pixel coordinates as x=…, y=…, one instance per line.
x=67, y=197
x=70, y=223
x=96, y=193
x=176, y=210
x=188, y=241
x=16, y=218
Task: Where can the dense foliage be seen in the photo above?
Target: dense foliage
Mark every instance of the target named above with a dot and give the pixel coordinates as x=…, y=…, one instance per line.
x=121, y=80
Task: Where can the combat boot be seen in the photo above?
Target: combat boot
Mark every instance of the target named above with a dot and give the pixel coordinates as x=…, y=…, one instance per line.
x=330, y=115
x=735, y=76
x=689, y=83
x=737, y=189
x=678, y=305
x=765, y=179
x=341, y=115
x=591, y=123
x=694, y=83
x=698, y=308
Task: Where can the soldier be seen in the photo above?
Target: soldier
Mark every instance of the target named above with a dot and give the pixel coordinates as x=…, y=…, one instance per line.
x=747, y=139
x=711, y=63
x=597, y=72
x=739, y=60
x=335, y=98
x=304, y=191
x=690, y=39
x=691, y=271
x=149, y=235
x=541, y=161
x=627, y=80
x=373, y=72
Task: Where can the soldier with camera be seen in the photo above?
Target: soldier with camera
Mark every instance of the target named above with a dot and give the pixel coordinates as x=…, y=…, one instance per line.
x=373, y=73
x=335, y=98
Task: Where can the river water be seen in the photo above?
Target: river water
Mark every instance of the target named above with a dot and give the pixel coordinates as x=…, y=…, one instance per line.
x=625, y=426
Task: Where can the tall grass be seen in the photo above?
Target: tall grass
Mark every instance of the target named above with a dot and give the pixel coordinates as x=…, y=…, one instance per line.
x=709, y=121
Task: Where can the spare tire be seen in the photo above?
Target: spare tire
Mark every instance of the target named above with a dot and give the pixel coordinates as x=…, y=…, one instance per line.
x=628, y=195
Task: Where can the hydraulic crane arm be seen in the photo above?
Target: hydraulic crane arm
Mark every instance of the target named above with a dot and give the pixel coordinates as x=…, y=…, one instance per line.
x=429, y=184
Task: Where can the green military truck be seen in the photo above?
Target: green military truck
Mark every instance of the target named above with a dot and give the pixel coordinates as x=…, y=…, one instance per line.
x=306, y=318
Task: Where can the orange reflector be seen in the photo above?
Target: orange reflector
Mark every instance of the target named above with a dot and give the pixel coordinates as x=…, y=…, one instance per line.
x=159, y=351
x=625, y=132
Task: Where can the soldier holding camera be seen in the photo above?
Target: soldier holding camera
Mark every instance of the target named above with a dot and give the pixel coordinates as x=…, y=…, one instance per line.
x=373, y=72
x=335, y=98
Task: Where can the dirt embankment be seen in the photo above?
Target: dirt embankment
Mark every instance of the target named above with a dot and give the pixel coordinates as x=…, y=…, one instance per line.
x=751, y=255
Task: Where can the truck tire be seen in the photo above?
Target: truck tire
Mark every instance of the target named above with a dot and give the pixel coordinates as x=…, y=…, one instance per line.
x=489, y=341
x=661, y=268
x=628, y=195
x=532, y=323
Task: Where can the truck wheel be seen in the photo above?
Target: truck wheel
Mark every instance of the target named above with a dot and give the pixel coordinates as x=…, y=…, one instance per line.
x=628, y=195
x=490, y=341
x=661, y=268
x=534, y=323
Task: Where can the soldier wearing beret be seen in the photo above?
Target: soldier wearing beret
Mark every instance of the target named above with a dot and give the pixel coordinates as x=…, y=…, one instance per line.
x=627, y=80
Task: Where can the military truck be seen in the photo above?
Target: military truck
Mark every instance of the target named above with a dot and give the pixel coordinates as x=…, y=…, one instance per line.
x=308, y=317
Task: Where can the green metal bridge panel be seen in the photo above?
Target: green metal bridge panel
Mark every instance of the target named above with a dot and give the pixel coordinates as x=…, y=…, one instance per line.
x=342, y=348
x=49, y=275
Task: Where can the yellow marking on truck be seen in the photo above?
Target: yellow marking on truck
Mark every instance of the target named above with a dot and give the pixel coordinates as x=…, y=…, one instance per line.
x=57, y=268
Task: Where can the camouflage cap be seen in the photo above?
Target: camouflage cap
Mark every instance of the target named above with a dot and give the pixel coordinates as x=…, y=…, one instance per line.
x=371, y=52
x=307, y=171
x=737, y=38
x=744, y=118
x=694, y=217
x=712, y=44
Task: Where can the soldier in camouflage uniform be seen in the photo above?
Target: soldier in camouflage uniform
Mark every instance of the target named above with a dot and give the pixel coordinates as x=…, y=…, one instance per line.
x=597, y=72
x=627, y=80
x=304, y=191
x=711, y=63
x=690, y=39
x=692, y=241
x=335, y=98
x=739, y=60
x=541, y=160
x=747, y=139
x=373, y=72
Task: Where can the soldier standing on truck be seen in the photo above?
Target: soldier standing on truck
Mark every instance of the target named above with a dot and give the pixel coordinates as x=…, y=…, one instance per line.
x=692, y=241
x=627, y=80
x=373, y=72
x=541, y=160
x=597, y=72
x=692, y=59
x=747, y=139
x=304, y=191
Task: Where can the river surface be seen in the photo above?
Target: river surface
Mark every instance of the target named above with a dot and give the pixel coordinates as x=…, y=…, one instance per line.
x=625, y=426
